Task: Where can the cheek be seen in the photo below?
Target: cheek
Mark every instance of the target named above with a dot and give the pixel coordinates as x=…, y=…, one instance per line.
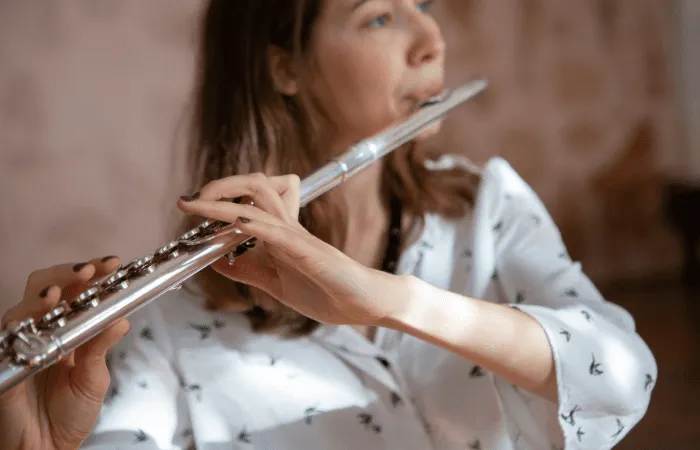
x=363, y=86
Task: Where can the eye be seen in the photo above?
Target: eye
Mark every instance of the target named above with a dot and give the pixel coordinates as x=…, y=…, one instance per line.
x=425, y=6
x=379, y=21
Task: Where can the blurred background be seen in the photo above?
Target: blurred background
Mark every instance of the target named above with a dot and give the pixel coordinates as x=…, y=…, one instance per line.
x=596, y=103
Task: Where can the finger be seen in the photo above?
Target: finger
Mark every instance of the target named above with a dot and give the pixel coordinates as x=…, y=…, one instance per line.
x=251, y=271
x=59, y=275
x=256, y=186
x=90, y=374
x=65, y=281
x=303, y=251
x=33, y=306
x=229, y=212
x=103, y=266
x=98, y=346
x=289, y=189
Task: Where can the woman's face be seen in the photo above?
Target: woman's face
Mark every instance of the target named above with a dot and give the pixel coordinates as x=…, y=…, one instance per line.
x=373, y=62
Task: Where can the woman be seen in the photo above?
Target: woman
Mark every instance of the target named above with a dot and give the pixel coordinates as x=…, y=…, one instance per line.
x=452, y=317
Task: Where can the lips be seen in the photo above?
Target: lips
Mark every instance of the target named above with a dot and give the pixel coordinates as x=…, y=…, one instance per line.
x=429, y=94
x=433, y=96
x=432, y=100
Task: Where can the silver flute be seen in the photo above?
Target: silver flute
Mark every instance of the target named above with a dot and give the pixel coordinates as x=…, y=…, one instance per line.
x=33, y=345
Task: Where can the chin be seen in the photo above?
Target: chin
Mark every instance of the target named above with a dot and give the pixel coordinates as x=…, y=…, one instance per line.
x=374, y=127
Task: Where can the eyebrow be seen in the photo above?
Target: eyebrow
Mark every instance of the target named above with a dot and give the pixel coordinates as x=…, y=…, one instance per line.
x=358, y=3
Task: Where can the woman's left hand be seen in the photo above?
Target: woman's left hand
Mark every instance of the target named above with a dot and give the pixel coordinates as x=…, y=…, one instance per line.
x=292, y=265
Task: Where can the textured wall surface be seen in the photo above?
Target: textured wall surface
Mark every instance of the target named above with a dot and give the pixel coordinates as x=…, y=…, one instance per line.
x=90, y=96
x=583, y=105
x=91, y=92
x=688, y=13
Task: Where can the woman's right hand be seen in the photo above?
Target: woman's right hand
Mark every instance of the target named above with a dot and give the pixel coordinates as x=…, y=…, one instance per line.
x=57, y=408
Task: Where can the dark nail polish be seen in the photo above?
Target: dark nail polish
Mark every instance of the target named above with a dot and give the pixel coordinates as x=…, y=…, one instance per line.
x=107, y=258
x=44, y=292
x=244, y=219
x=240, y=250
x=79, y=267
x=190, y=198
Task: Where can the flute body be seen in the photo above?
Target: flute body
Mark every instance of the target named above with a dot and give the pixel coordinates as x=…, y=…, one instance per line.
x=32, y=346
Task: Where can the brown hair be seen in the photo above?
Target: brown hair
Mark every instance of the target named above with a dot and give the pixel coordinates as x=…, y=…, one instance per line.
x=241, y=124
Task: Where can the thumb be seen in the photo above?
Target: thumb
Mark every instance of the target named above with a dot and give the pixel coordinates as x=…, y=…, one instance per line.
x=90, y=374
x=250, y=271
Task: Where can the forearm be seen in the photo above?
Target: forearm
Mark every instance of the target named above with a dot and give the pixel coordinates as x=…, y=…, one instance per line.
x=500, y=339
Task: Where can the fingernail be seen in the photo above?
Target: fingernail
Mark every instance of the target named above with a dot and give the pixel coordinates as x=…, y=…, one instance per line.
x=107, y=258
x=239, y=251
x=244, y=219
x=190, y=198
x=79, y=267
x=44, y=292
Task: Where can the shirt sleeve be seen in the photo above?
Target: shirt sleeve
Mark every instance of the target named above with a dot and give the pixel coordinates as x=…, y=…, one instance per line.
x=605, y=371
x=144, y=407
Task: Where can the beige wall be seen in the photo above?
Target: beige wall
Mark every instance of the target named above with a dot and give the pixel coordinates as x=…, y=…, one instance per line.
x=582, y=103
x=91, y=92
x=688, y=13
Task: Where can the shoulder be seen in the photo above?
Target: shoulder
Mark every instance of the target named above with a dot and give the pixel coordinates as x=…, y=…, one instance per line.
x=502, y=191
x=452, y=160
x=504, y=195
x=498, y=177
x=501, y=181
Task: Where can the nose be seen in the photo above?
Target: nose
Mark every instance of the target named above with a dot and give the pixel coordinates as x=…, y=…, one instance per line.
x=428, y=44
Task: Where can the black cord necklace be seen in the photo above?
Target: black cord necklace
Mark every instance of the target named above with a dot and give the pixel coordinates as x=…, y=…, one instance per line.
x=391, y=255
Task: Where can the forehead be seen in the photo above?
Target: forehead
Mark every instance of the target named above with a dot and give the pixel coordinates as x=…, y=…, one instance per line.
x=336, y=13
x=346, y=6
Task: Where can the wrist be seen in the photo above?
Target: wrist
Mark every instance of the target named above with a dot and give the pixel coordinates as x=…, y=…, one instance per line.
x=407, y=295
x=435, y=315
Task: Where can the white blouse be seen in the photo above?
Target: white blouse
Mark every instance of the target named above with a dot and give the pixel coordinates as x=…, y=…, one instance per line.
x=186, y=377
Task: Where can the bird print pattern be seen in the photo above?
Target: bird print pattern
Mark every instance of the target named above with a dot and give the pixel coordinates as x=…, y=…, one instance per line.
x=532, y=273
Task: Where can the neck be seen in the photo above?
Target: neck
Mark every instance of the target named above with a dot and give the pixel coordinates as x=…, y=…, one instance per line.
x=362, y=192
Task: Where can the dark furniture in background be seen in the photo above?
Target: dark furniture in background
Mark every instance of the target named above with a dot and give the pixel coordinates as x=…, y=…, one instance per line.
x=682, y=208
